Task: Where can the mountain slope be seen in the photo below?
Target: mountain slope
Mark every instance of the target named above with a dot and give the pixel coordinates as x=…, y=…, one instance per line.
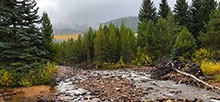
x=131, y=22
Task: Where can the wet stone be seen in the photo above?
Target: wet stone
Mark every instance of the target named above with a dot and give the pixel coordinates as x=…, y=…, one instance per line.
x=8, y=94
x=1, y=99
x=8, y=98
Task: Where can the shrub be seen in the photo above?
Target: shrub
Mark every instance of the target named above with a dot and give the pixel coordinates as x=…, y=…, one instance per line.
x=142, y=59
x=25, y=81
x=6, y=78
x=185, y=45
x=201, y=55
x=34, y=76
x=217, y=77
x=210, y=68
x=46, y=74
x=205, y=55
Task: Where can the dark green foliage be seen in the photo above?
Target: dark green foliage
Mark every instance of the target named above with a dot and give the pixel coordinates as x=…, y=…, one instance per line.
x=142, y=28
x=100, y=45
x=113, y=45
x=182, y=14
x=21, y=42
x=149, y=35
x=173, y=27
x=154, y=37
x=200, y=11
x=211, y=38
x=185, y=45
x=23, y=49
x=47, y=30
x=128, y=44
x=89, y=45
x=164, y=9
x=147, y=11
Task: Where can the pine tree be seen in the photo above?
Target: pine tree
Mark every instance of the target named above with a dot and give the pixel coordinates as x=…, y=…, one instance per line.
x=200, y=13
x=185, y=45
x=100, y=45
x=22, y=48
x=173, y=27
x=164, y=9
x=89, y=45
x=210, y=38
x=47, y=37
x=150, y=38
x=106, y=30
x=182, y=15
x=127, y=43
x=142, y=27
x=164, y=38
x=47, y=28
x=147, y=11
x=113, y=45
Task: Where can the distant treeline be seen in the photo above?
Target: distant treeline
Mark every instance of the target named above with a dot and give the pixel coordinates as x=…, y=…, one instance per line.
x=177, y=34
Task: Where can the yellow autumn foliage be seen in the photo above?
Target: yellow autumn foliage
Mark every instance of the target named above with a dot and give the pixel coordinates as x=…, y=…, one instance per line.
x=66, y=37
x=210, y=68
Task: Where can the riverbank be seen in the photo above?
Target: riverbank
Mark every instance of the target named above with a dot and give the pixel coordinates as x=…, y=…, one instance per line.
x=121, y=85
x=125, y=85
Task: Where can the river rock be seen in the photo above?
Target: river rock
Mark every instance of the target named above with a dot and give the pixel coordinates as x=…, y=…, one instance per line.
x=8, y=98
x=1, y=99
x=79, y=91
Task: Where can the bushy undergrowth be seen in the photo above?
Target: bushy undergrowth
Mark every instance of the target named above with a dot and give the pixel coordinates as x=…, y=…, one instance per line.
x=205, y=55
x=142, y=59
x=6, y=78
x=37, y=76
x=211, y=68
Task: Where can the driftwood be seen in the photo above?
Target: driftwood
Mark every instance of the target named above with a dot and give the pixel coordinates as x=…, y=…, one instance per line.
x=214, y=88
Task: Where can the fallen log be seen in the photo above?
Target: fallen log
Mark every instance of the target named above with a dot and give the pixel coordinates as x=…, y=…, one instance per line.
x=213, y=88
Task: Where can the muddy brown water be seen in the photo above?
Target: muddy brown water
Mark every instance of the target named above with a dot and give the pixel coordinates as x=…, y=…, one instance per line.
x=28, y=92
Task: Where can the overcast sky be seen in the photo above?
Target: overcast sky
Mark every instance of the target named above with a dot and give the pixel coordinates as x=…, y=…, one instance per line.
x=70, y=13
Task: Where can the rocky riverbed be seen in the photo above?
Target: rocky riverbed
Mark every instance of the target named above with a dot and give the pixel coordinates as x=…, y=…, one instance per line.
x=124, y=85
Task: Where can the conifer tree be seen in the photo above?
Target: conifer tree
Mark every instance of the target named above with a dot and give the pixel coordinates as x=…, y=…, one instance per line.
x=22, y=48
x=127, y=43
x=47, y=30
x=185, y=45
x=164, y=9
x=210, y=38
x=89, y=45
x=113, y=45
x=147, y=11
x=164, y=38
x=142, y=27
x=150, y=38
x=106, y=30
x=100, y=45
x=173, y=27
x=181, y=13
x=200, y=11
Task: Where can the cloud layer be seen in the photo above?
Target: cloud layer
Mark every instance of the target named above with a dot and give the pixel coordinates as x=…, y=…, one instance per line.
x=77, y=13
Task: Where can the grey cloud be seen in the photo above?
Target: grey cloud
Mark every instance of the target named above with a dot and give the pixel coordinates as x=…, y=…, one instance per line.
x=74, y=13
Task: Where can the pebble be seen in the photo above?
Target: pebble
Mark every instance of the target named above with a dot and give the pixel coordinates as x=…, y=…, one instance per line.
x=116, y=85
